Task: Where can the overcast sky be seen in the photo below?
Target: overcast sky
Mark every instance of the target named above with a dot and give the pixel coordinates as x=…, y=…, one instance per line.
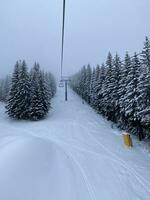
x=31, y=30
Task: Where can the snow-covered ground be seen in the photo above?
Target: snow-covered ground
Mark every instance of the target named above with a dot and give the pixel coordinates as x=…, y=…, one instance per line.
x=74, y=154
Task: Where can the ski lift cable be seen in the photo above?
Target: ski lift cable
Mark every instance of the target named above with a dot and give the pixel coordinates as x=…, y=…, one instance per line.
x=63, y=36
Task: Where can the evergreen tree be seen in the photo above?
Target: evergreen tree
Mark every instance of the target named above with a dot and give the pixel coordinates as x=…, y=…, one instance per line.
x=87, y=83
x=92, y=84
x=115, y=83
x=98, y=100
x=144, y=87
x=13, y=95
x=107, y=109
x=131, y=98
x=45, y=93
x=23, y=93
x=145, y=57
x=36, y=110
x=123, y=90
x=143, y=99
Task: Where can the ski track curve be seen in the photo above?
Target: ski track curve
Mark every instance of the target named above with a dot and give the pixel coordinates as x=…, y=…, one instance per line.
x=140, y=179
x=131, y=171
x=115, y=158
x=74, y=161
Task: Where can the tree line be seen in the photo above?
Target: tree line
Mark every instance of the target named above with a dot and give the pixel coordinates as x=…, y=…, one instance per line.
x=4, y=88
x=120, y=91
x=28, y=94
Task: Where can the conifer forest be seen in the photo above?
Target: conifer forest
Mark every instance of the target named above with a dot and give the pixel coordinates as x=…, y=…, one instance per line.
x=28, y=94
x=120, y=91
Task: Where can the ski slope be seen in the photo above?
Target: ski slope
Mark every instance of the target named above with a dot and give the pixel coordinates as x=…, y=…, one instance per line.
x=74, y=154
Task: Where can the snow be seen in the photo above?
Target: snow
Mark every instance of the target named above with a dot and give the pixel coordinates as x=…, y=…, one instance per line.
x=74, y=154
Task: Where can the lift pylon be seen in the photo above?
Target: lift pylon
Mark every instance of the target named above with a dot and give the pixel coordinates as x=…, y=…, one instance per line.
x=65, y=80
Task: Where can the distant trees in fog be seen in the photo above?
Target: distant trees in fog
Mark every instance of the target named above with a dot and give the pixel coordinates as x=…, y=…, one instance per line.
x=5, y=85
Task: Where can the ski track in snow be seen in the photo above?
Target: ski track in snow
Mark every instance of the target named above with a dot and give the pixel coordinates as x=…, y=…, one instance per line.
x=89, y=186
x=140, y=179
x=102, y=167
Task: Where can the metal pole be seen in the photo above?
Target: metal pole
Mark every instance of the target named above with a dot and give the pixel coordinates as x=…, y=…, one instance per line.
x=63, y=35
x=66, y=90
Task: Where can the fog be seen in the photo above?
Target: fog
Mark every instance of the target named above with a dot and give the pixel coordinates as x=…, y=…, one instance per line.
x=31, y=30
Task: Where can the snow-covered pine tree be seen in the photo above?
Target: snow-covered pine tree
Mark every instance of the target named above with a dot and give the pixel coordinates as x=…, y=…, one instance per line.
x=143, y=100
x=131, y=97
x=45, y=92
x=98, y=100
x=144, y=88
x=107, y=89
x=12, y=102
x=145, y=57
x=23, y=93
x=92, y=84
x=36, y=110
x=95, y=83
x=115, y=81
x=87, y=83
x=53, y=85
x=123, y=89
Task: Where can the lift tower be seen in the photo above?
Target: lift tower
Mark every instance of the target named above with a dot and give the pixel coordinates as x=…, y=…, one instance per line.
x=64, y=80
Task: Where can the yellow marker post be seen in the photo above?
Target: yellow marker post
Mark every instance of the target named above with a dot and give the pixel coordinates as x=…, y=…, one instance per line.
x=127, y=140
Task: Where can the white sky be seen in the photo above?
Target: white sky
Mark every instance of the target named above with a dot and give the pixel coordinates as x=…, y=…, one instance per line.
x=31, y=30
